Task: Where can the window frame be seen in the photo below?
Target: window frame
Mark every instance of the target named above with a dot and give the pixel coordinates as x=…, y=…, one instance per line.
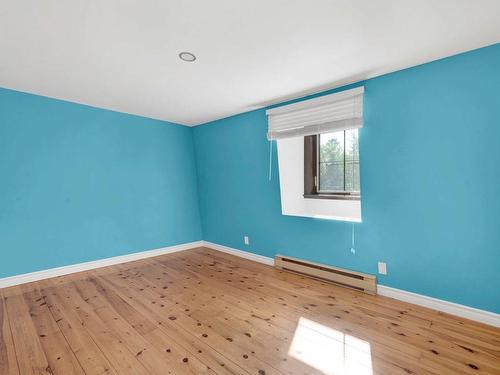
x=311, y=174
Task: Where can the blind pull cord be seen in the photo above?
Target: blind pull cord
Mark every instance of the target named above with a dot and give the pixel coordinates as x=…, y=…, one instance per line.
x=353, y=249
x=270, y=159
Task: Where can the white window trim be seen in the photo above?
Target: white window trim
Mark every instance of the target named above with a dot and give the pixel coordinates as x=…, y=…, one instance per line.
x=293, y=203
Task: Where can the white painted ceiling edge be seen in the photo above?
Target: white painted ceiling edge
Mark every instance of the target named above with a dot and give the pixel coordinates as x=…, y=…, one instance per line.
x=123, y=55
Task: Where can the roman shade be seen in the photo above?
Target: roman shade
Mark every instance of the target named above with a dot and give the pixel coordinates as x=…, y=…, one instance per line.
x=325, y=114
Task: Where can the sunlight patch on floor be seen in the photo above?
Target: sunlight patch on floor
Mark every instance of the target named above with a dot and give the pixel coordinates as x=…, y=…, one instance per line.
x=330, y=351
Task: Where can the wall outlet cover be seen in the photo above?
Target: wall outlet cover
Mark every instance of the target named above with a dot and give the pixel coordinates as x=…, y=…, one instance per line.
x=382, y=268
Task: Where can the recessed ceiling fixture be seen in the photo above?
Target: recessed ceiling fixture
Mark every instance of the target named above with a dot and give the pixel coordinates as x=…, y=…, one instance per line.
x=187, y=56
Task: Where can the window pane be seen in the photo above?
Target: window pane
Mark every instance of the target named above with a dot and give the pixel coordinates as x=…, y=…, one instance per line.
x=351, y=160
x=352, y=176
x=339, y=161
x=331, y=147
x=331, y=176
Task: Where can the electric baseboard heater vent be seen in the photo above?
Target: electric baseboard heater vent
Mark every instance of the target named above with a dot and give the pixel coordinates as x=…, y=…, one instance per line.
x=351, y=279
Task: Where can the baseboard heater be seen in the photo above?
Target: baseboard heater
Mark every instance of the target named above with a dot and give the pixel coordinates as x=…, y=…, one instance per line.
x=351, y=279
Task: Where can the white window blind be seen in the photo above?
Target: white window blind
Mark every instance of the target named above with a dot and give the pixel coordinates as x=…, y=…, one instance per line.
x=325, y=114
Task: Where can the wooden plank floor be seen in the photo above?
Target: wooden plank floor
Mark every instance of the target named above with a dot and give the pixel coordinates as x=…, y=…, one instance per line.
x=202, y=311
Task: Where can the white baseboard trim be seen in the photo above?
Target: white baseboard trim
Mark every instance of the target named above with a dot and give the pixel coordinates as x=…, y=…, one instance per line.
x=240, y=253
x=65, y=270
x=462, y=311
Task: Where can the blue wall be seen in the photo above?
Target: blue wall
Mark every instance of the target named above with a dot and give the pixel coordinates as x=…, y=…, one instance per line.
x=430, y=179
x=79, y=183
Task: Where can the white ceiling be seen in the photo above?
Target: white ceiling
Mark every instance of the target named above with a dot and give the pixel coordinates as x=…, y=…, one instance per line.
x=122, y=54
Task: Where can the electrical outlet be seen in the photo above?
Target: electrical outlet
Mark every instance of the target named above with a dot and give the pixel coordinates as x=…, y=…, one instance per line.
x=382, y=268
x=246, y=240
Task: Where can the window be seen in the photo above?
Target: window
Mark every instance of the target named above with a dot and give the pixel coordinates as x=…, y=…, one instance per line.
x=331, y=165
x=318, y=155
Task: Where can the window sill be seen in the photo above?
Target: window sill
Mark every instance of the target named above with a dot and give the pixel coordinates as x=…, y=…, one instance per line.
x=333, y=196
